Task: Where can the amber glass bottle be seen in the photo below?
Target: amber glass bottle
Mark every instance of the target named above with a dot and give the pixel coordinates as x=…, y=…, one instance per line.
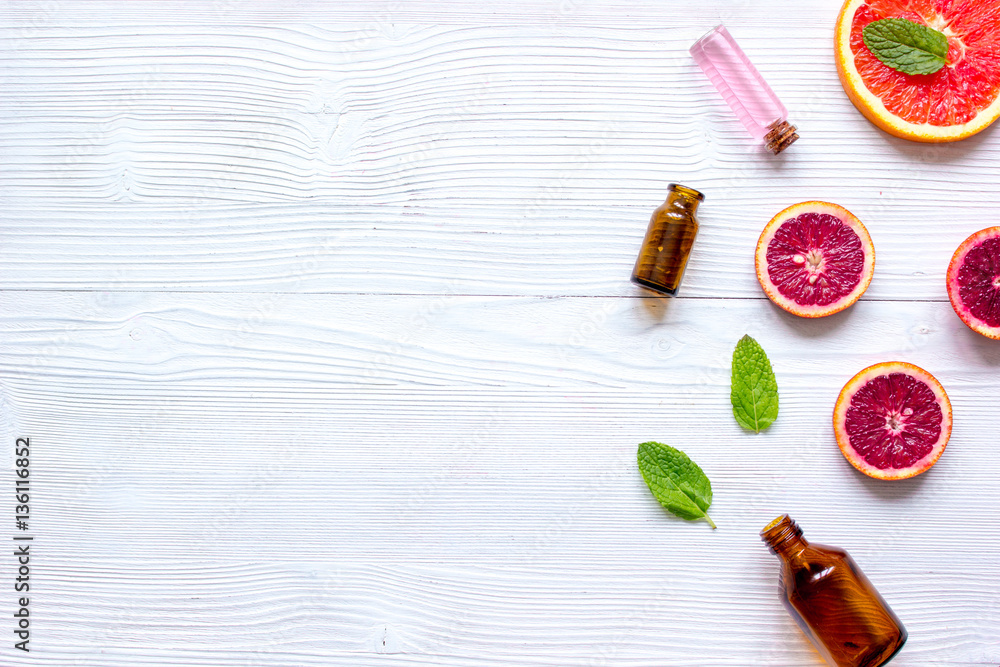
x=668, y=241
x=832, y=600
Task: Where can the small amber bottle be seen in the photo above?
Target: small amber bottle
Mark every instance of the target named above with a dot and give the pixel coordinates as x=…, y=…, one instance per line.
x=668, y=241
x=832, y=600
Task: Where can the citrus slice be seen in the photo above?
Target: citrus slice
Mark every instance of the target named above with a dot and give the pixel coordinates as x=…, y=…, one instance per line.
x=892, y=420
x=814, y=259
x=960, y=99
x=974, y=282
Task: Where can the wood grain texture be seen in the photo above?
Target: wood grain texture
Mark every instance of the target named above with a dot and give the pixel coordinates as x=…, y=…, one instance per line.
x=358, y=469
x=318, y=318
x=470, y=159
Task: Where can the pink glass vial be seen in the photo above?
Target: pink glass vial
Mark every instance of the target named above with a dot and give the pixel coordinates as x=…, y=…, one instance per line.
x=744, y=89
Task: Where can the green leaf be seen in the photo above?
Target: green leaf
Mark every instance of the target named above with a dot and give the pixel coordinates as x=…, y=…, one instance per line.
x=676, y=481
x=911, y=48
x=754, y=391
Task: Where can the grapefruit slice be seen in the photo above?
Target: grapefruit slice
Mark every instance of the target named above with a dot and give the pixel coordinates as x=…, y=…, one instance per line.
x=814, y=259
x=960, y=99
x=974, y=282
x=892, y=420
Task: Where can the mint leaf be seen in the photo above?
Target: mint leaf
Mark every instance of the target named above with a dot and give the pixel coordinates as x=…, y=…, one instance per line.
x=911, y=48
x=754, y=391
x=676, y=481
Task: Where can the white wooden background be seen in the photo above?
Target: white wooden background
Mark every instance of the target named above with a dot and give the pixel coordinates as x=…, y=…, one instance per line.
x=318, y=318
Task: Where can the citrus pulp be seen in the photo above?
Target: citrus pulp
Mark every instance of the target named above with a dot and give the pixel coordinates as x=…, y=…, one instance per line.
x=814, y=259
x=892, y=420
x=960, y=99
x=974, y=282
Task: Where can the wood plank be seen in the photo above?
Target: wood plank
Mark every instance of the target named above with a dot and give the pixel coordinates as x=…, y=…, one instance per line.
x=480, y=613
x=300, y=248
x=442, y=159
x=451, y=340
x=263, y=494
x=378, y=15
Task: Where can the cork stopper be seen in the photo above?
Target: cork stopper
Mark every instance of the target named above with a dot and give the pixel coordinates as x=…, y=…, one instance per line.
x=781, y=134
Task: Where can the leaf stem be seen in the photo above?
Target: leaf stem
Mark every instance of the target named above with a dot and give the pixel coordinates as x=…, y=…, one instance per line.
x=710, y=522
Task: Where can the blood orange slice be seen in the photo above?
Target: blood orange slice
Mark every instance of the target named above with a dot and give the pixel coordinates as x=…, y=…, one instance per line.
x=892, y=420
x=814, y=259
x=974, y=282
x=955, y=102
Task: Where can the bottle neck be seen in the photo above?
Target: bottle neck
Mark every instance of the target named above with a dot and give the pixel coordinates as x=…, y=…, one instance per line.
x=783, y=537
x=683, y=198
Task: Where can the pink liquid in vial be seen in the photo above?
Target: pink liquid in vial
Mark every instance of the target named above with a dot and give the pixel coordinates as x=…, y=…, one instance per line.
x=744, y=89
